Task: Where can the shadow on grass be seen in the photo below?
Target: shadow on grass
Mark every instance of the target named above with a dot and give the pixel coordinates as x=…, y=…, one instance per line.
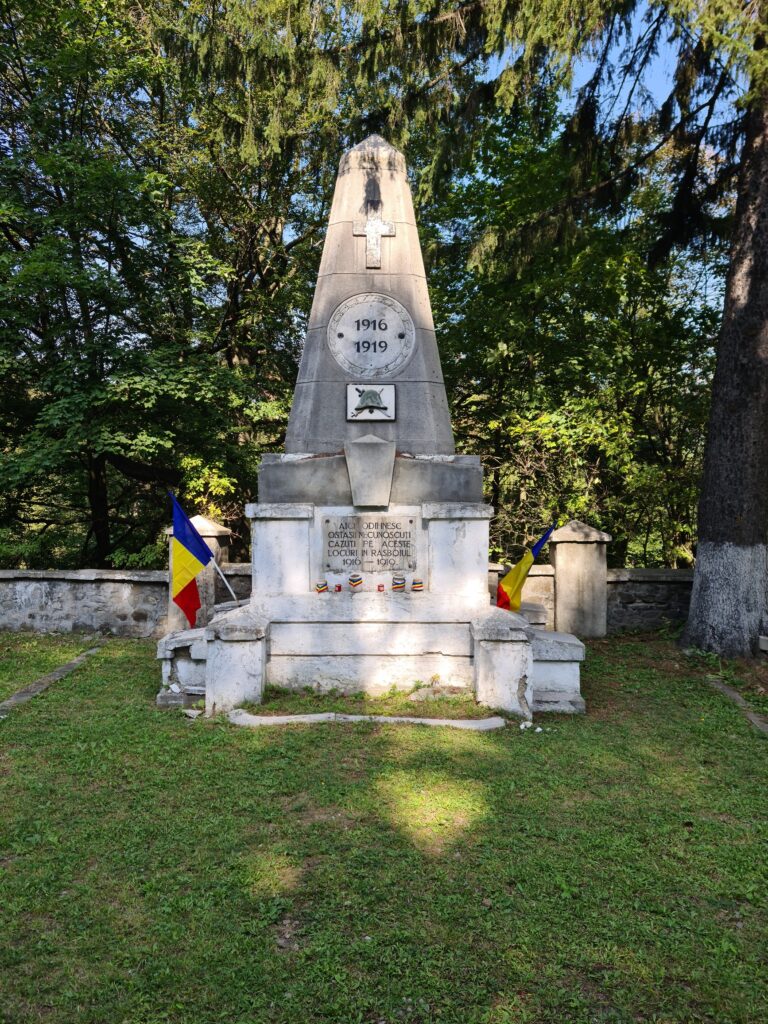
x=606, y=869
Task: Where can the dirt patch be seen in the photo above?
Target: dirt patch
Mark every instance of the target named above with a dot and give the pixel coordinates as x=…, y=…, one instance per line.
x=307, y=813
x=287, y=932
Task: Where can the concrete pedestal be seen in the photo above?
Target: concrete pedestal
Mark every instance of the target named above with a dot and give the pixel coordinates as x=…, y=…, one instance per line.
x=371, y=638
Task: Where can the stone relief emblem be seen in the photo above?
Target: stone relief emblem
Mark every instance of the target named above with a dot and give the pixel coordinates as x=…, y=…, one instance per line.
x=371, y=335
x=366, y=403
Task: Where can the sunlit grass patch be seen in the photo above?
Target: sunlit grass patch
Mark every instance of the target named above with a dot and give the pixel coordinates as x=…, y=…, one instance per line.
x=432, y=811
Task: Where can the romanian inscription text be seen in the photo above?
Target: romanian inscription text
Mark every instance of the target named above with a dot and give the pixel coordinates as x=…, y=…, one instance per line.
x=369, y=543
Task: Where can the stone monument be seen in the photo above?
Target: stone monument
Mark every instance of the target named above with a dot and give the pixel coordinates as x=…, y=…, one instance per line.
x=370, y=537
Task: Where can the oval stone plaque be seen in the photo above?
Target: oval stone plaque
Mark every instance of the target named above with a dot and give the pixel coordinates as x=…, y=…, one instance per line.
x=371, y=335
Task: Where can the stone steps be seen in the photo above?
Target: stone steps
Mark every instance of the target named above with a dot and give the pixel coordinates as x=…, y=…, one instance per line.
x=409, y=652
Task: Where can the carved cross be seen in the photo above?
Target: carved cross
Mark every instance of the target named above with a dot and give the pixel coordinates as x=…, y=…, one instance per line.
x=374, y=228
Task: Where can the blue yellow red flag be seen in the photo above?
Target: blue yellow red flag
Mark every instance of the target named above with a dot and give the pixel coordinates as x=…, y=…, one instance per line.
x=189, y=556
x=510, y=590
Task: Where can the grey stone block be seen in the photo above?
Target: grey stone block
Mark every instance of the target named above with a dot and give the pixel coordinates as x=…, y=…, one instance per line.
x=324, y=480
x=370, y=463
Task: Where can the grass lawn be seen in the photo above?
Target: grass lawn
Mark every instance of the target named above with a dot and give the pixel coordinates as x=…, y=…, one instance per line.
x=25, y=657
x=611, y=868
x=282, y=702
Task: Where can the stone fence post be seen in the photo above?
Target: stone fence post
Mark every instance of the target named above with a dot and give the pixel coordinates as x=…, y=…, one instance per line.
x=578, y=554
x=217, y=538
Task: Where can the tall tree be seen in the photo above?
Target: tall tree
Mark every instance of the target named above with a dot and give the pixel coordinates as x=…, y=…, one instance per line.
x=151, y=289
x=729, y=606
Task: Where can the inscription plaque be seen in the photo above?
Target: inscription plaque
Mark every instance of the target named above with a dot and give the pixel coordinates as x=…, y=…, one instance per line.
x=371, y=335
x=369, y=543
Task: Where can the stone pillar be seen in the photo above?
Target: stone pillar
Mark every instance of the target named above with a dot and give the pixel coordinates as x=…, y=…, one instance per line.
x=458, y=549
x=503, y=662
x=236, y=656
x=217, y=538
x=578, y=554
x=280, y=548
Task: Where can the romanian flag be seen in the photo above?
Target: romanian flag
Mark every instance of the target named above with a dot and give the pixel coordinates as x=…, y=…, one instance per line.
x=189, y=556
x=510, y=590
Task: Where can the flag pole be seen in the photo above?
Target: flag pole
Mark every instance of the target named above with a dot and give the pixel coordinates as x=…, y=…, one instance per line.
x=224, y=579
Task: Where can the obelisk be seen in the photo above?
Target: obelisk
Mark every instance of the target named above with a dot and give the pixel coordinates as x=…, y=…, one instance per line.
x=370, y=367
x=371, y=319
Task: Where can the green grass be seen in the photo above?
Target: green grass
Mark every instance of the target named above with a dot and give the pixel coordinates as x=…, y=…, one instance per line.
x=25, y=657
x=611, y=869
x=283, y=702
x=749, y=677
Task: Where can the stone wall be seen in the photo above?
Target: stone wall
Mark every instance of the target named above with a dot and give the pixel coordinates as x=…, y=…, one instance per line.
x=239, y=578
x=131, y=603
x=135, y=603
x=124, y=603
x=647, y=598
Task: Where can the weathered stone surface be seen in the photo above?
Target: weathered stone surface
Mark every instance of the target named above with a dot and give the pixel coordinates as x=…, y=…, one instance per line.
x=578, y=554
x=503, y=663
x=555, y=673
x=371, y=249
x=647, y=598
x=320, y=479
x=122, y=603
x=391, y=606
x=171, y=642
x=240, y=717
x=576, y=532
x=534, y=614
x=372, y=542
x=241, y=624
x=324, y=480
x=425, y=478
x=456, y=510
x=374, y=674
x=498, y=624
x=370, y=464
x=239, y=578
x=282, y=510
x=551, y=646
x=280, y=550
x=234, y=670
x=325, y=638
x=558, y=702
x=458, y=555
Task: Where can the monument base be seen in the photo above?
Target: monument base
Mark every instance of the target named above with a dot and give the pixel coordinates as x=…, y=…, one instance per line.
x=415, y=479
x=370, y=638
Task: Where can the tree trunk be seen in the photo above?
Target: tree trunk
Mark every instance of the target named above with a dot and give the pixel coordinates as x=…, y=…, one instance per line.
x=98, y=502
x=729, y=604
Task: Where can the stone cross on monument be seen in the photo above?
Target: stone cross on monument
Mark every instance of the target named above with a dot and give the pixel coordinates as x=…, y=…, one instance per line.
x=370, y=535
x=374, y=228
